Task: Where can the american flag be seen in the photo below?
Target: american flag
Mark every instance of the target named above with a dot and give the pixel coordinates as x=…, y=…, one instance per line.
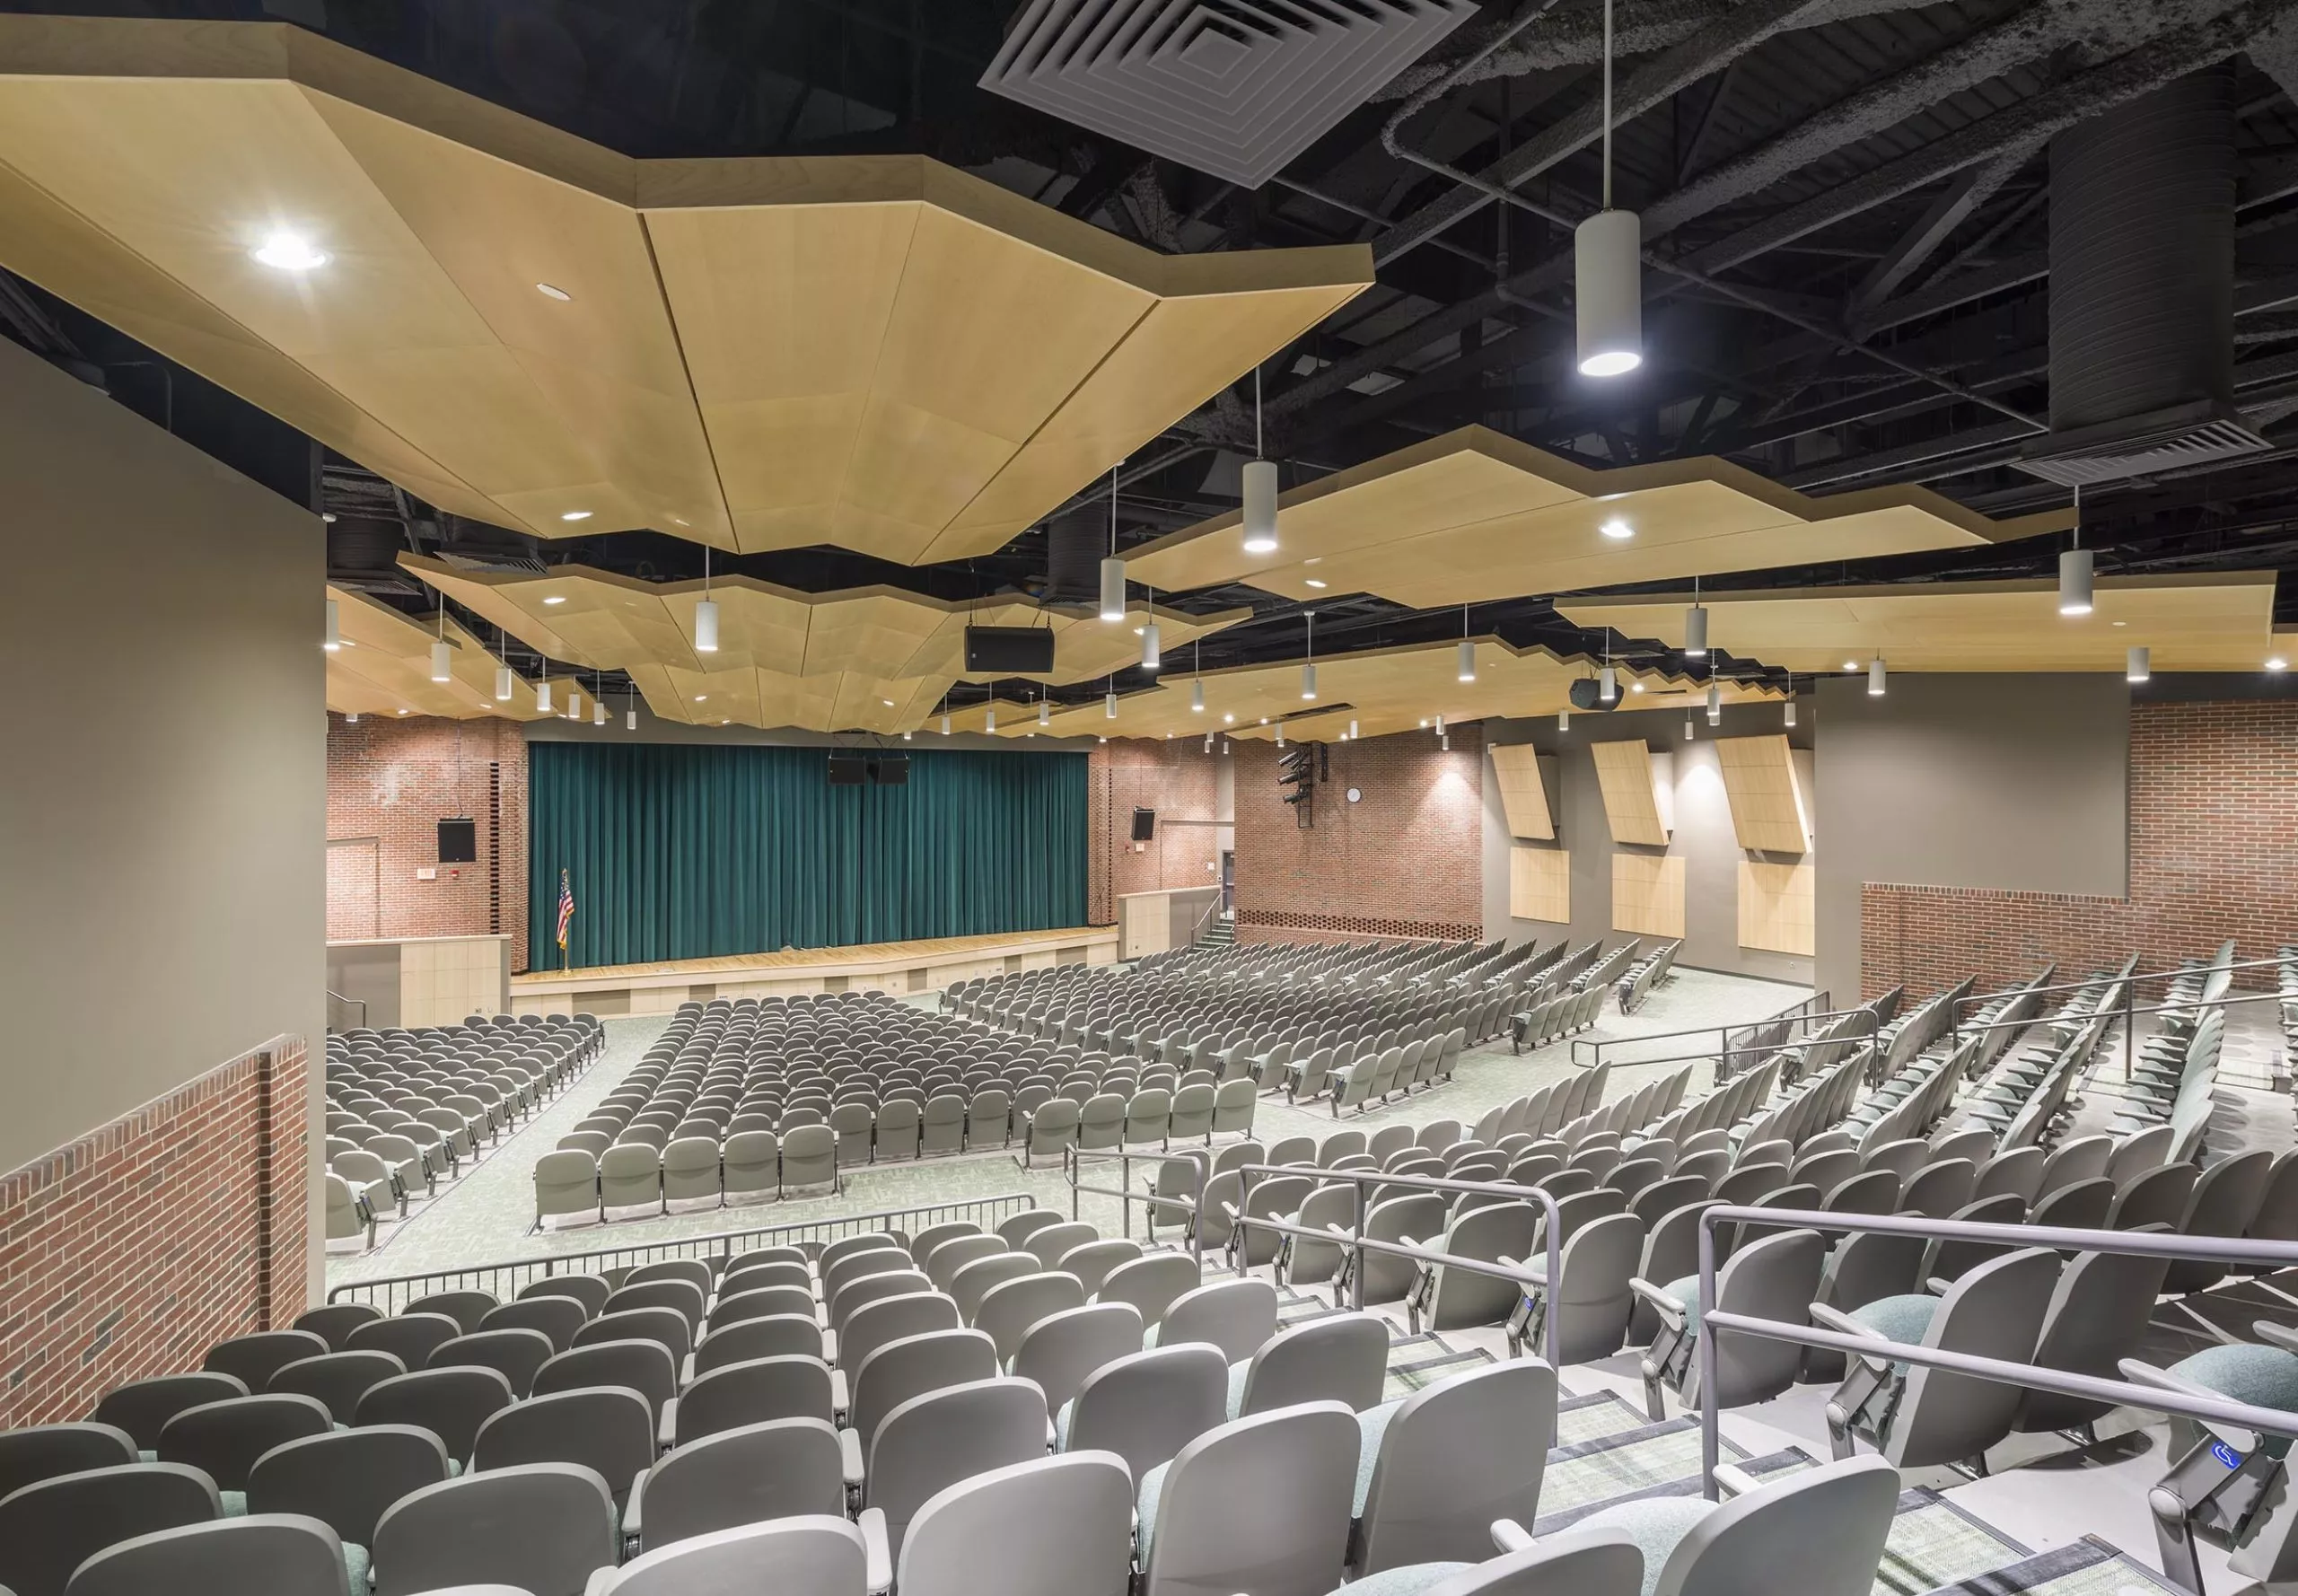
x=565, y=907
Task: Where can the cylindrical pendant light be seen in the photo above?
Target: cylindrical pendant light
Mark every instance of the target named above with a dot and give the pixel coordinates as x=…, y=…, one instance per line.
x=1196, y=696
x=503, y=684
x=1352, y=731
x=1280, y=734
x=598, y=712
x=946, y=725
x=1563, y=720
x=630, y=716
x=1440, y=725
x=351, y=719
x=2074, y=582
x=442, y=660
x=989, y=718
x=1789, y=718
x=1696, y=631
x=1687, y=726
x=1152, y=653
x=1208, y=742
x=705, y=612
x=1044, y=713
x=1875, y=676
x=1608, y=686
x=332, y=639
x=1607, y=270
x=1109, y=705
x=1260, y=489
x=1467, y=660
x=542, y=696
x=1309, y=680
x=1112, y=568
x=2138, y=665
x=573, y=702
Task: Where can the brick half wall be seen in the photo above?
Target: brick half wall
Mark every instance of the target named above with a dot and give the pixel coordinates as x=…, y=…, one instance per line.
x=2214, y=854
x=128, y=1252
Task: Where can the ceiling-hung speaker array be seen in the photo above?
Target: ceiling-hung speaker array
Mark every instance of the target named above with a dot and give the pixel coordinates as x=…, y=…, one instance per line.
x=1236, y=88
x=1009, y=651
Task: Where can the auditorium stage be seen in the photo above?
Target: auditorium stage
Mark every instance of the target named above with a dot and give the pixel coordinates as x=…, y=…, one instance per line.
x=897, y=967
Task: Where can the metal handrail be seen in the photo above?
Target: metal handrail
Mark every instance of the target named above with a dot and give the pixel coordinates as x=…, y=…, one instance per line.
x=1196, y=1157
x=2126, y=1014
x=2002, y=1371
x=518, y=1272
x=338, y=997
x=2100, y=980
x=1196, y=932
x=1721, y=1032
x=1363, y=1180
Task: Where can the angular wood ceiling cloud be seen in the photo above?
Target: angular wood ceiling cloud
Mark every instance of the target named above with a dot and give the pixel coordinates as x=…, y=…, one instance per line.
x=880, y=352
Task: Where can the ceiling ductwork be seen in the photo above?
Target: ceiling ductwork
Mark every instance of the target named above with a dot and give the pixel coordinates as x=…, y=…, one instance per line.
x=2142, y=288
x=1075, y=542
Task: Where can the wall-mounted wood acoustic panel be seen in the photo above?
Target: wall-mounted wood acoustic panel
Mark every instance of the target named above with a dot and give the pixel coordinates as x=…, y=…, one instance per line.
x=1475, y=514
x=1631, y=796
x=1768, y=813
x=1539, y=885
x=1776, y=910
x=878, y=352
x=1523, y=795
x=2211, y=621
x=1648, y=894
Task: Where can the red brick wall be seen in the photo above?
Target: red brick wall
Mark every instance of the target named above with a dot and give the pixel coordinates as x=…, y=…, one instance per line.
x=392, y=781
x=2214, y=854
x=1407, y=861
x=1177, y=778
x=130, y=1251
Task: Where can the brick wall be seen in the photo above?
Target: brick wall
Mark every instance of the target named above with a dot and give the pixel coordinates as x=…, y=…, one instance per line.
x=1177, y=778
x=390, y=782
x=2214, y=854
x=1407, y=861
x=128, y=1252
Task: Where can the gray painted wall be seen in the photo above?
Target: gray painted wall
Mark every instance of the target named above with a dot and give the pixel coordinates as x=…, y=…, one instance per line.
x=1702, y=833
x=162, y=839
x=2012, y=783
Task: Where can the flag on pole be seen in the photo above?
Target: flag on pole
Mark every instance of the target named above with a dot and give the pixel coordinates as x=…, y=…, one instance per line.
x=565, y=907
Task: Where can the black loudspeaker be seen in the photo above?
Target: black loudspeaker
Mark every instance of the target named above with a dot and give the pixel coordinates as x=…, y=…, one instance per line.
x=848, y=770
x=1587, y=693
x=889, y=770
x=457, y=842
x=1144, y=825
x=1009, y=651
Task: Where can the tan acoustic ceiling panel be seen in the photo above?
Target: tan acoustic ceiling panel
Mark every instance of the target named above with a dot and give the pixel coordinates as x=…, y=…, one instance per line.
x=1382, y=691
x=530, y=329
x=1631, y=796
x=382, y=666
x=1524, y=794
x=1759, y=782
x=1776, y=912
x=1648, y=894
x=875, y=659
x=1475, y=515
x=1539, y=884
x=2218, y=621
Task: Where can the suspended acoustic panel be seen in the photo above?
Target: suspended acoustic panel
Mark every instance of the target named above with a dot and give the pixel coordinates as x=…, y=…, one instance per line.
x=384, y=667
x=1475, y=514
x=877, y=352
x=1631, y=796
x=2215, y=621
x=874, y=659
x=1523, y=795
x=1767, y=811
x=1236, y=88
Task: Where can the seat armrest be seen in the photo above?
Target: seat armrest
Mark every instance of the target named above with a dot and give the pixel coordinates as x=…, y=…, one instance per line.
x=1509, y=1536
x=630, y=1522
x=849, y=1456
x=837, y=1392
x=601, y=1579
x=668, y=1427
x=1666, y=1306
x=1832, y=1319
x=1938, y=1287
x=2275, y=1335
x=1734, y=1480
x=686, y=1372
x=877, y=1555
x=829, y=1346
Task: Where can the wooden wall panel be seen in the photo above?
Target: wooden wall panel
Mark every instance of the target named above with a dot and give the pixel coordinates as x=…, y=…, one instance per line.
x=1648, y=894
x=1631, y=797
x=1523, y=795
x=1775, y=909
x=1768, y=814
x=1539, y=884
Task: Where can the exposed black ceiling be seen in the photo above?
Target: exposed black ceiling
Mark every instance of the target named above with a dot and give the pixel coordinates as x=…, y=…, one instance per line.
x=1845, y=203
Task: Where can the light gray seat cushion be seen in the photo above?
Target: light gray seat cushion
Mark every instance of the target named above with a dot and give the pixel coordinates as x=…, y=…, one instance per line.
x=1904, y=1318
x=1371, y=1426
x=2264, y=1376
x=1152, y=1486
x=1407, y=1580
x=1656, y=1524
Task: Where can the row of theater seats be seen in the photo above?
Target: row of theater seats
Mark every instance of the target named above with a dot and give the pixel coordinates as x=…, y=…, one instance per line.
x=408, y=1109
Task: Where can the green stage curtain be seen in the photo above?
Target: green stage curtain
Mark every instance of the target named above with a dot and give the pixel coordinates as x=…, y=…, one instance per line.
x=679, y=852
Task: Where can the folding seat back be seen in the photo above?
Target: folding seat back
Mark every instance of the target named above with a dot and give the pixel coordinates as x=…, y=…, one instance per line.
x=346, y=1478
x=1046, y=1527
x=837, y=1271
x=913, y=1367
x=450, y=1403
x=2082, y=1206
x=540, y=1528
x=1820, y=1533
x=50, y=1528
x=42, y=1452
x=1146, y=1406
x=974, y=1281
x=1450, y=1460
x=691, y=1175
x=750, y=1166
x=809, y=1159
x=1592, y=1301
x=1093, y=1261
x=944, y=1262
x=897, y=1133
x=1052, y=1241
x=989, y=1115
x=336, y=1380
x=1260, y=1503
x=2223, y=1203
x=516, y=1354
x=468, y=1309
x=860, y=1293
x=1190, y=1116
x=1152, y=1284
x=937, y=1440
x=922, y=1245
x=1008, y=1309
x=1062, y=1349
x=1458, y=1297
x=1342, y=1358
x=225, y=1438
x=2158, y=1197
x=777, y=1468
x=278, y=1554
x=607, y=1429
x=682, y=1297
x=1996, y=1311
x=759, y=1302
x=1234, y=1315
x=589, y=1290
x=893, y=1319
x=253, y=1360
x=667, y=1326
x=411, y=1337
x=334, y=1322
x=556, y=1317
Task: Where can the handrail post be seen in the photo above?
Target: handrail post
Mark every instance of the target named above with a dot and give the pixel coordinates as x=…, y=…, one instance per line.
x=1711, y=1433
x=1197, y=1217
x=1363, y=1217
x=1237, y=1229
x=2129, y=1027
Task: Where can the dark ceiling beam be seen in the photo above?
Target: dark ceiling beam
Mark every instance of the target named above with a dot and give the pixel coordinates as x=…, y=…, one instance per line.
x=1965, y=193
x=1658, y=81
x=1718, y=96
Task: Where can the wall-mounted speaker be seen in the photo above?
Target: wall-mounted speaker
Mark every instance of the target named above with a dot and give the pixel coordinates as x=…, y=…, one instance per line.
x=457, y=842
x=1144, y=825
x=889, y=770
x=1009, y=651
x=849, y=769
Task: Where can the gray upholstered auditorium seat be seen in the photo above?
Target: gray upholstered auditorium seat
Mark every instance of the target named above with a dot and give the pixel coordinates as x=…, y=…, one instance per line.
x=1342, y=1358
x=346, y=1480
x=468, y=1309
x=276, y=1554
x=1775, y=1276
x=450, y=1403
x=541, y=1528
x=1436, y=1468
x=42, y=1452
x=809, y=1160
x=50, y=1528
x=411, y=1337
x=608, y=1429
x=1259, y=1504
x=1058, y=1526
x=814, y=1555
x=755, y=1392
x=253, y=1359
x=334, y=1322
x=1152, y=1283
x=223, y=1439
x=934, y=1441
x=337, y=1378
x=1059, y=1351
x=745, y=1475
x=1234, y=1315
